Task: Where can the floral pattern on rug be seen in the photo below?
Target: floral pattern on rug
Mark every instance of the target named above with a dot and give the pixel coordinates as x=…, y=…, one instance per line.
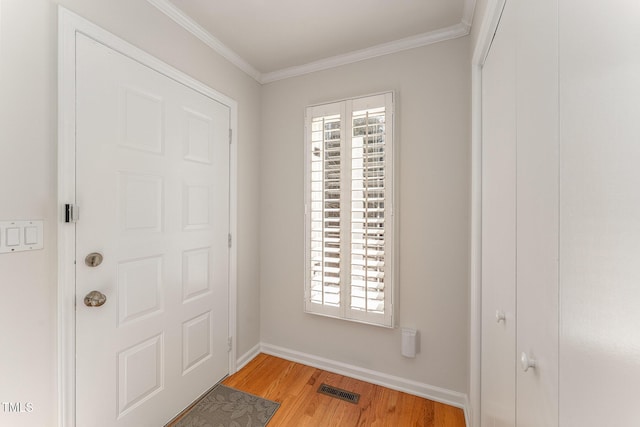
x=227, y=407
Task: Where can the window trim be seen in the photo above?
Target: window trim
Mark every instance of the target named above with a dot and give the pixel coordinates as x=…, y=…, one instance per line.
x=346, y=108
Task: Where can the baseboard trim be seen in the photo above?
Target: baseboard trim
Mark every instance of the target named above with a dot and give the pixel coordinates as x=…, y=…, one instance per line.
x=247, y=357
x=437, y=394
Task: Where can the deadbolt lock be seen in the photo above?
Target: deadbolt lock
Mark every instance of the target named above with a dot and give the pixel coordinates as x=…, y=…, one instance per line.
x=94, y=259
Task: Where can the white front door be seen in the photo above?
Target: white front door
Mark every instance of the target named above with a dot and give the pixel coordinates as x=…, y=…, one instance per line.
x=152, y=184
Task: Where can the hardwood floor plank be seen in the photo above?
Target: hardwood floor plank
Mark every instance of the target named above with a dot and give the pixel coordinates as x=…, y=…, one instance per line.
x=295, y=387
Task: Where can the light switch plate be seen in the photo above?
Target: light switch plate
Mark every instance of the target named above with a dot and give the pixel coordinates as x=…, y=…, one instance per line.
x=19, y=236
x=12, y=236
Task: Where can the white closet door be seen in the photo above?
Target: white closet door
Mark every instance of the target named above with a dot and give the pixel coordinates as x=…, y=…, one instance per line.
x=499, y=227
x=537, y=207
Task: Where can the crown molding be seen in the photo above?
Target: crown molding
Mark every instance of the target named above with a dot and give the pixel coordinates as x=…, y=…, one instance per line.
x=169, y=9
x=459, y=30
x=452, y=32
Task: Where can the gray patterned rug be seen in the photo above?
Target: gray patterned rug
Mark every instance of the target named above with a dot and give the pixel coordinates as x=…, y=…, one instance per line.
x=227, y=407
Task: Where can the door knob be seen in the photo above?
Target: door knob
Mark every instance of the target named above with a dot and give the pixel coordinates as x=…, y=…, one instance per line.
x=95, y=299
x=527, y=362
x=500, y=316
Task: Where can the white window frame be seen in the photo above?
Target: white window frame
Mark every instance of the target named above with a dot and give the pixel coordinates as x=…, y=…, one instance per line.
x=345, y=109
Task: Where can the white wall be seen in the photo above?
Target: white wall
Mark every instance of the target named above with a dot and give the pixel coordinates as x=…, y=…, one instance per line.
x=28, y=129
x=432, y=85
x=27, y=191
x=599, y=213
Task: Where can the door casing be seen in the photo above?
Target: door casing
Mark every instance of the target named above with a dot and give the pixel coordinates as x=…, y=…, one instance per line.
x=69, y=24
x=488, y=26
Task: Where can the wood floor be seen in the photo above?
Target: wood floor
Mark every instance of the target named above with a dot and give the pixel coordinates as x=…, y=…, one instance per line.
x=295, y=386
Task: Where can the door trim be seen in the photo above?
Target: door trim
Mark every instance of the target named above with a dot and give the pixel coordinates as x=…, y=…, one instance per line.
x=69, y=24
x=488, y=27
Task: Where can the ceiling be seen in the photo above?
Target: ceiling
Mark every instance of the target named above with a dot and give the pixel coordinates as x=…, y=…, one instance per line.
x=273, y=39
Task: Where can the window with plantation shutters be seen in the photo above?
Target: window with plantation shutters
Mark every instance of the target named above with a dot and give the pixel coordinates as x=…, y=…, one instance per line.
x=348, y=209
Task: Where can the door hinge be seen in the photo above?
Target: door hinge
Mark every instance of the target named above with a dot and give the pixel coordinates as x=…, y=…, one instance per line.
x=71, y=213
x=230, y=135
x=229, y=240
x=230, y=343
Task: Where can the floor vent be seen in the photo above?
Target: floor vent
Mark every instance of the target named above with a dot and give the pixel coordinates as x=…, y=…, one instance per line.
x=339, y=393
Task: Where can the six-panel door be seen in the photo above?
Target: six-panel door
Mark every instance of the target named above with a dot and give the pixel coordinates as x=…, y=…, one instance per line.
x=152, y=183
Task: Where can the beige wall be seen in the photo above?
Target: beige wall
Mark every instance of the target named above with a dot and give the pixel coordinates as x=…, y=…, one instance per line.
x=432, y=85
x=28, y=129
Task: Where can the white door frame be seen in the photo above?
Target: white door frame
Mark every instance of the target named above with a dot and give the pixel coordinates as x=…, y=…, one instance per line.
x=68, y=25
x=488, y=26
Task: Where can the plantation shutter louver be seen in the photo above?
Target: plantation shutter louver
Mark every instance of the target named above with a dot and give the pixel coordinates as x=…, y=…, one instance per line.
x=348, y=209
x=325, y=210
